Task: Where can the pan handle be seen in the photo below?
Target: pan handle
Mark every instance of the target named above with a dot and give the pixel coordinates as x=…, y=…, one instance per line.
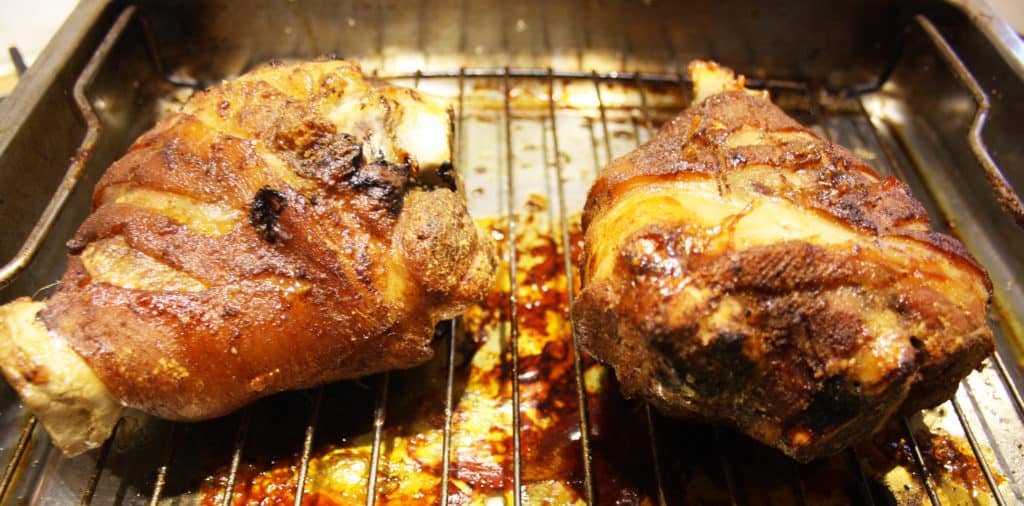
x=82, y=155
x=1005, y=194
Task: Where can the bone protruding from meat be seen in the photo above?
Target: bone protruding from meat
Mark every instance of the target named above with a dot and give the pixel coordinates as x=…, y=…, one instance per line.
x=54, y=382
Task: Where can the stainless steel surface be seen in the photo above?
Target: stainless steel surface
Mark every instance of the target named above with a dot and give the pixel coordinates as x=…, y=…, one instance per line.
x=575, y=35
x=1004, y=192
x=82, y=154
x=45, y=86
x=897, y=86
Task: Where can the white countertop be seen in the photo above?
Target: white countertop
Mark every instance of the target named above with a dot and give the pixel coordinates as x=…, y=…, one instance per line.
x=29, y=26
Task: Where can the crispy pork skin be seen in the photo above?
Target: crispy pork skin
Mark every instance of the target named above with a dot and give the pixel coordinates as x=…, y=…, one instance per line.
x=741, y=270
x=292, y=227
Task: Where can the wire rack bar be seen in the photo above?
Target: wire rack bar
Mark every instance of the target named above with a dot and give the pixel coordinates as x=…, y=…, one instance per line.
x=449, y=404
x=536, y=73
x=927, y=478
x=577, y=357
x=20, y=448
x=513, y=297
x=976, y=449
x=241, y=437
x=160, y=480
x=446, y=446
x=101, y=461
x=604, y=117
x=380, y=411
x=307, y=445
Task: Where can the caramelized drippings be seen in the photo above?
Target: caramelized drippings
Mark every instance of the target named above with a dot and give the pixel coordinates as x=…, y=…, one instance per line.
x=948, y=458
x=254, y=484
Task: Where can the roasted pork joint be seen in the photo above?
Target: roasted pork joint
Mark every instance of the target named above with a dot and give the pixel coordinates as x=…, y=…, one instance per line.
x=292, y=227
x=739, y=269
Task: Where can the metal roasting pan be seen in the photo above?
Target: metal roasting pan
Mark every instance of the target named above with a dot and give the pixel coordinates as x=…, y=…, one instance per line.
x=924, y=90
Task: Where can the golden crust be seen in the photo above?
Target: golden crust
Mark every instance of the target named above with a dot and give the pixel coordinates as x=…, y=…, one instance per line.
x=694, y=145
x=739, y=269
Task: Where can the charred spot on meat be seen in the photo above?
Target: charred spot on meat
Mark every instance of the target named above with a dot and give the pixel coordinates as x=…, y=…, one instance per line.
x=385, y=182
x=446, y=172
x=264, y=213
